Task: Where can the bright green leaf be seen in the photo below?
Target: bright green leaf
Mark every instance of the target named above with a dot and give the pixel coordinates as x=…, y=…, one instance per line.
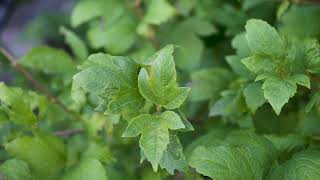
x=158, y=82
x=278, y=92
x=264, y=39
x=154, y=130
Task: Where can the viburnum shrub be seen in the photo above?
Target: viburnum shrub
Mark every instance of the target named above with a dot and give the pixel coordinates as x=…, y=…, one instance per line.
x=159, y=89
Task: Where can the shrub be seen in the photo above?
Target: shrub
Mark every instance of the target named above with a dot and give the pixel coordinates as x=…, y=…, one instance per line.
x=161, y=89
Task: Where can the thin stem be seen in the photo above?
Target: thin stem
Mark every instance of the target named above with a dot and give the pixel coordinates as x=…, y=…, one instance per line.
x=36, y=84
x=69, y=132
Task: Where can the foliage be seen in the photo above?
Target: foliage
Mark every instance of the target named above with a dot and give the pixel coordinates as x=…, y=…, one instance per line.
x=159, y=89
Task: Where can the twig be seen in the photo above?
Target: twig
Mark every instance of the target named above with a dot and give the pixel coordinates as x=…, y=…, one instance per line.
x=35, y=83
x=69, y=132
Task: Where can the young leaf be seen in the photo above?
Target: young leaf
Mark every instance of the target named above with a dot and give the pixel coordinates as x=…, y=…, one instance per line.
x=158, y=83
x=154, y=130
x=87, y=169
x=278, y=92
x=264, y=39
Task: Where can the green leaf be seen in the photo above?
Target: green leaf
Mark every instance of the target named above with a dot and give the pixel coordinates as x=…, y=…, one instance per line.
x=78, y=47
x=86, y=169
x=44, y=153
x=190, y=47
x=240, y=43
x=48, y=60
x=117, y=34
x=231, y=103
x=303, y=165
x=98, y=151
x=232, y=155
x=92, y=10
x=114, y=79
x=249, y=4
x=88, y=10
x=278, y=92
x=15, y=169
x=312, y=55
x=301, y=79
x=159, y=11
x=264, y=39
x=301, y=21
x=173, y=157
x=158, y=83
x=199, y=26
x=313, y=102
x=229, y=162
x=287, y=143
x=238, y=67
x=253, y=94
x=22, y=107
x=208, y=83
x=154, y=130
x=259, y=64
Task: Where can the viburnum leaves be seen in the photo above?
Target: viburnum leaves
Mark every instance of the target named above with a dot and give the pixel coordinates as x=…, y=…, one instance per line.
x=264, y=39
x=113, y=79
x=154, y=130
x=157, y=82
x=270, y=61
x=255, y=112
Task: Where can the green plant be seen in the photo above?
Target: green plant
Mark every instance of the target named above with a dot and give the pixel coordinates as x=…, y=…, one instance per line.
x=212, y=89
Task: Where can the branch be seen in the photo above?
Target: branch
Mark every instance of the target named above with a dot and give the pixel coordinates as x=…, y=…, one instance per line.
x=36, y=84
x=69, y=132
